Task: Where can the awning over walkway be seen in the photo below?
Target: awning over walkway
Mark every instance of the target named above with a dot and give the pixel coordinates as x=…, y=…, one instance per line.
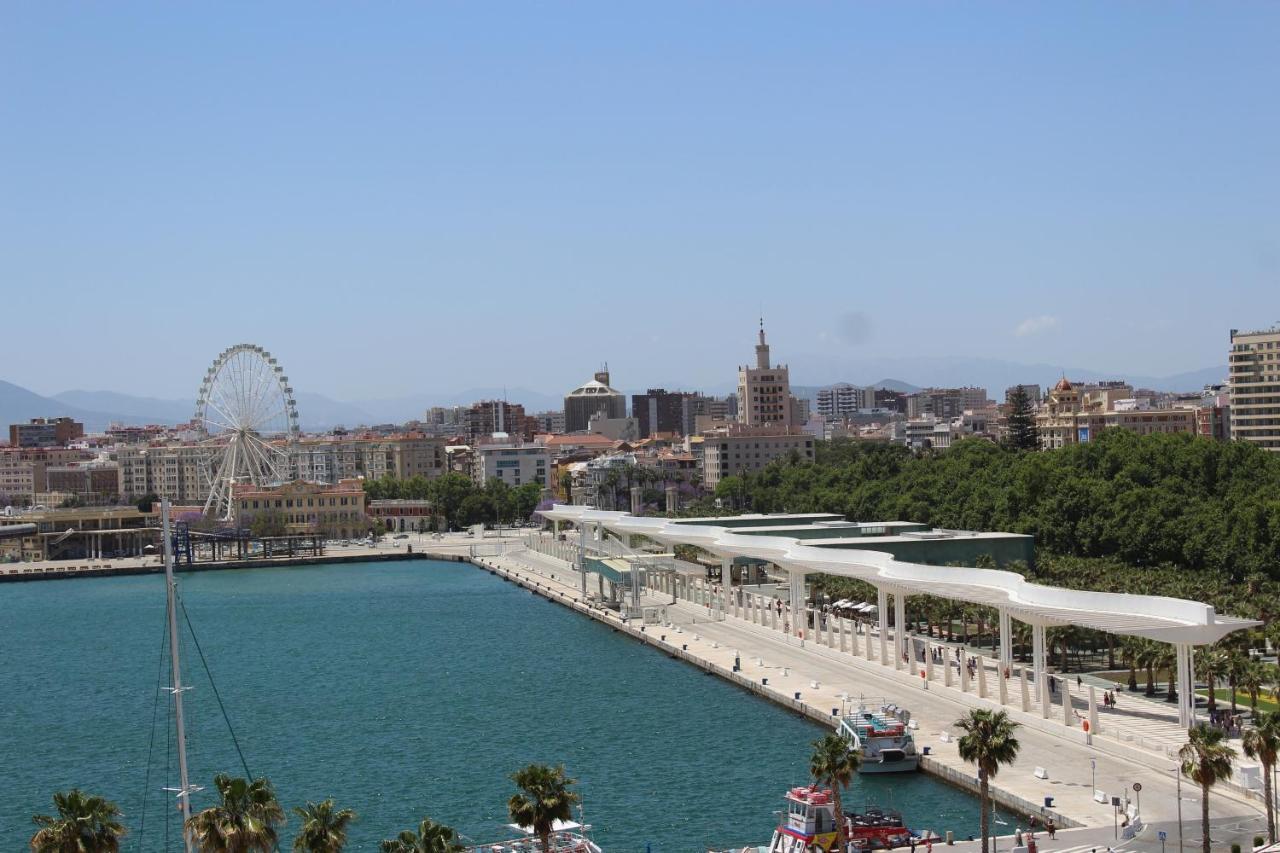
x=1170, y=620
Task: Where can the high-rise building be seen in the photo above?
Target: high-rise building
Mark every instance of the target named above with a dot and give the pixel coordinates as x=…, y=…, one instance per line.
x=1254, y=377
x=488, y=417
x=843, y=400
x=45, y=432
x=593, y=397
x=764, y=391
x=661, y=411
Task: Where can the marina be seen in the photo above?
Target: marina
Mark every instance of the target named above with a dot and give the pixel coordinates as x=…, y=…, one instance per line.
x=402, y=688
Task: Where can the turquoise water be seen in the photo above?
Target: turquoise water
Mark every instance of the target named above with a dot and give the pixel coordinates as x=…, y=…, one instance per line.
x=401, y=689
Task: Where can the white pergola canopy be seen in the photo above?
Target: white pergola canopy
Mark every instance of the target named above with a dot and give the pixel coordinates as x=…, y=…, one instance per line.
x=1170, y=620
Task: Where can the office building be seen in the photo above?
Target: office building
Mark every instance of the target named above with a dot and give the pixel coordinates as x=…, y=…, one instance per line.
x=45, y=432
x=593, y=397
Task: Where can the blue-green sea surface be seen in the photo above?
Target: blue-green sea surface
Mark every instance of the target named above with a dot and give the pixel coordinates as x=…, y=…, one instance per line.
x=402, y=690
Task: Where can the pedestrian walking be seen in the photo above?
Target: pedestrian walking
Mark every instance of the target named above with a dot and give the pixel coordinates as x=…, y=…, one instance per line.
x=1051, y=828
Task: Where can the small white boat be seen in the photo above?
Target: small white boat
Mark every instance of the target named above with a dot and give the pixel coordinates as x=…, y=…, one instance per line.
x=883, y=739
x=566, y=837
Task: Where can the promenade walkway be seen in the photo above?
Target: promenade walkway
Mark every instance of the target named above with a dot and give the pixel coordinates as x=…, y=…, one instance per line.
x=828, y=679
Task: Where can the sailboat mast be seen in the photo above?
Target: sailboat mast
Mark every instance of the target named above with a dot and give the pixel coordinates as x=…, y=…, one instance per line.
x=184, y=793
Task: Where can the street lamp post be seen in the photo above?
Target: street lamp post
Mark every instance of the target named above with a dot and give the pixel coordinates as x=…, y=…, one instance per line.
x=1177, y=777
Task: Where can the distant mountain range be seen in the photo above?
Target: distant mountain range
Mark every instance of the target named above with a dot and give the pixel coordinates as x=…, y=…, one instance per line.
x=98, y=409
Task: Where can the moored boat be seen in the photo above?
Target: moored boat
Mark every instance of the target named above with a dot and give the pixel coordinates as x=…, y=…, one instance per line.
x=883, y=738
x=566, y=837
x=810, y=825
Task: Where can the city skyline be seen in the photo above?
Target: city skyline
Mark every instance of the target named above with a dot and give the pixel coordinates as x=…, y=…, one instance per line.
x=516, y=198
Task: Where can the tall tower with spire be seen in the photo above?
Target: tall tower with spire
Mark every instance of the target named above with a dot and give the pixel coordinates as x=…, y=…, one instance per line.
x=764, y=391
x=762, y=350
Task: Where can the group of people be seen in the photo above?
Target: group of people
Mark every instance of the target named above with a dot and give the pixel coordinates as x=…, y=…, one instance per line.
x=1224, y=719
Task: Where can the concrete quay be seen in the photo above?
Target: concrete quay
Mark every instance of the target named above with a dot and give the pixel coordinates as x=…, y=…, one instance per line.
x=826, y=679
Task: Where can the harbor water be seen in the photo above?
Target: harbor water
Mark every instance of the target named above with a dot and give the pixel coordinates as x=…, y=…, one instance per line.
x=400, y=689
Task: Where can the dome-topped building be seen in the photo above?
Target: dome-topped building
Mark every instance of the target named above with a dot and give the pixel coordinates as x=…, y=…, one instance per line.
x=592, y=397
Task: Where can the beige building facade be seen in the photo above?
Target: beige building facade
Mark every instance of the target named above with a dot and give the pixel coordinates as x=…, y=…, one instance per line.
x=764, y=391
x=1254, y=376
x=739, y=449
x=334, y=510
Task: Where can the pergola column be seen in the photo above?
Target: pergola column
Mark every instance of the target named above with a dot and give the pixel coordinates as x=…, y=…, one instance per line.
x=882, y=618
x=1037, y=663
x=798, y=612
x=1185, y=656
x=899, y=628
x=582, y=557
x=1006, y=641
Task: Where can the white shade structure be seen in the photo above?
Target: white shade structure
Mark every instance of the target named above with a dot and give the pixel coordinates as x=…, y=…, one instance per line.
x=1180, y=622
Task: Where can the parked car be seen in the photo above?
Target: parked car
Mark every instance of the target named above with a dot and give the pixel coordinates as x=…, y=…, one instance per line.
x=401, y=536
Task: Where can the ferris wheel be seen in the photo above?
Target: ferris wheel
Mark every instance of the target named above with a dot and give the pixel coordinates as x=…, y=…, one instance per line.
x=248, y=418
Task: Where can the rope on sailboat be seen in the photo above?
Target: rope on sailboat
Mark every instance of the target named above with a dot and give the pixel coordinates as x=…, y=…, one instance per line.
x=155, y=710
x=216, y=694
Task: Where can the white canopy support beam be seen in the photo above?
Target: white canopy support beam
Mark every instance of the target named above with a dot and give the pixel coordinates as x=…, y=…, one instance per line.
x=1169, y=620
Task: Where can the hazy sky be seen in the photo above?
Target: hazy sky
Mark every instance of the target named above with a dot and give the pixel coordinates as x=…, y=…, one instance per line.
x=396, y=197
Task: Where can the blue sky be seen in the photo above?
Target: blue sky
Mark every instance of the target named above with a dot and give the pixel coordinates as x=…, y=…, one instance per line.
x=401, y=197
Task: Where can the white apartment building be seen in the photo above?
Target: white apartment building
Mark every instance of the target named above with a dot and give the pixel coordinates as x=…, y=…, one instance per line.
x=844, y=400
x=515, y=463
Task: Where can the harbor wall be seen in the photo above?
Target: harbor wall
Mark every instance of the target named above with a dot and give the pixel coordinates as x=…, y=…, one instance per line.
x=662, y=640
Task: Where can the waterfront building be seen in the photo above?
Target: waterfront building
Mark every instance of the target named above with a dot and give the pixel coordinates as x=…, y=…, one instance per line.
x=45, y=432
x=511, y=461
x=764, y=391
x=739, y=449
x=1254, y=377
x=592, y=397
x=334, y=510
x=401, y=516
x=80, y=533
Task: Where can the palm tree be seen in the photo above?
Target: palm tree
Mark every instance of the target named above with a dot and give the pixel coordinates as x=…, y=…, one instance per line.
x=833, y=763
x=431, y=837
x=1130, y=649
x=323, y=830
x=1206, y=758
x=1253, y=678
x=247, y=820
x=1148, y=657
x=1262, y=743
x=544, y=798
x=988, y=742
x=85, y=824
x=1212, y=667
